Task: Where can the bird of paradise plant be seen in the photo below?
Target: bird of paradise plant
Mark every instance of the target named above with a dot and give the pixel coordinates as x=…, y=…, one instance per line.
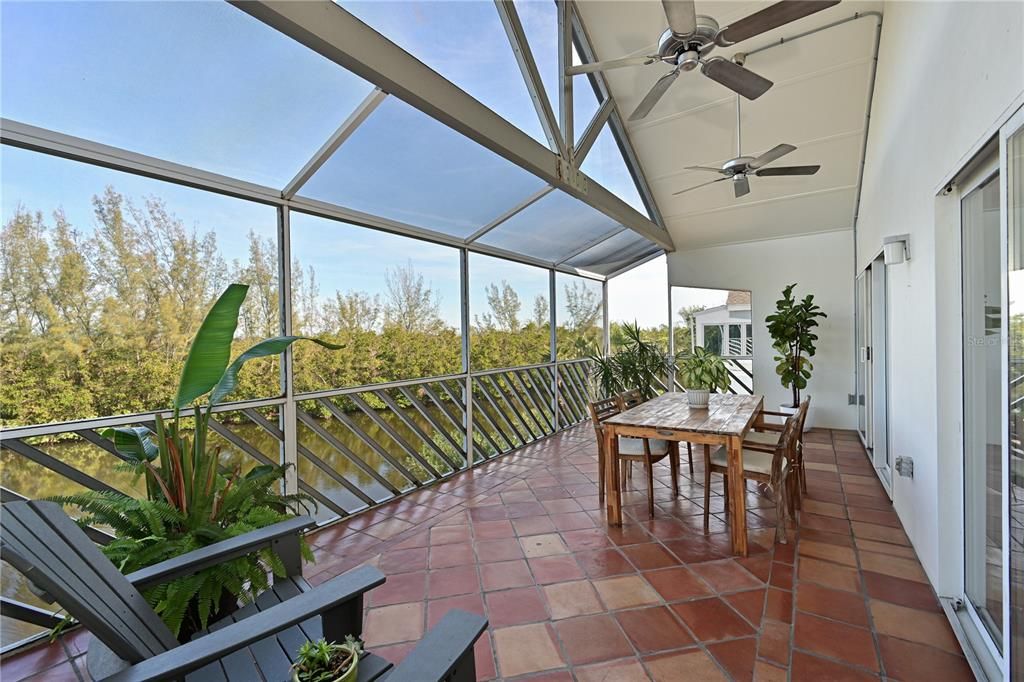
x=192, y=499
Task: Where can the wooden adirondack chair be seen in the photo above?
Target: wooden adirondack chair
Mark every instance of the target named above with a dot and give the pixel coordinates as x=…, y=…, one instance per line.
x=258, y=642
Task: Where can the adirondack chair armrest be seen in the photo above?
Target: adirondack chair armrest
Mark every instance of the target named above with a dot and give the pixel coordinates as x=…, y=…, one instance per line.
x=447, y=650
x=282, y=536
x=330, y=599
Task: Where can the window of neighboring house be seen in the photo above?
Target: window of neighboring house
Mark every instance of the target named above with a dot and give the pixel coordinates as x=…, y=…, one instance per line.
x=713, y=338
x=735, y=340
x=748, y=348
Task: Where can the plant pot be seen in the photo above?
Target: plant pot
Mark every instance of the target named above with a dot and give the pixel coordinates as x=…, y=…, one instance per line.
x=790, y=410
x=349, y=675
x=698, y=397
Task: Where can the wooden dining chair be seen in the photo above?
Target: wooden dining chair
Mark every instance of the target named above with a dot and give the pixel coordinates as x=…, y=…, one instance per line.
x=768, y=436
x=632, y=398
x=648, y=451
x=772, y=468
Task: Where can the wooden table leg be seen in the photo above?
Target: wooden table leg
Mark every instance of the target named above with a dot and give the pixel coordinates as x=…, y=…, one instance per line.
x=737, y=493
x=613, y=494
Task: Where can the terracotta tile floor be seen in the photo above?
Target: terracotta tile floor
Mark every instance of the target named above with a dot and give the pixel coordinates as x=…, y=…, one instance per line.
x=522, y=539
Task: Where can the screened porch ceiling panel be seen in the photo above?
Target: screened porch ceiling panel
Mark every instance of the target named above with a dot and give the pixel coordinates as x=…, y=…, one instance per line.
x=615, y=255
x=553, y=227
x=402, y=165
x=195, y=83
x=211, y=89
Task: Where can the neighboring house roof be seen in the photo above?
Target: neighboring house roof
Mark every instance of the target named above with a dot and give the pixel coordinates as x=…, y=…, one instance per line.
x=738, y=298
x=704, y=313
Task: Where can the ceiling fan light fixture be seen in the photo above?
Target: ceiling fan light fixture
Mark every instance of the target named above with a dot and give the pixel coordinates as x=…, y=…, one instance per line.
x=689, y=60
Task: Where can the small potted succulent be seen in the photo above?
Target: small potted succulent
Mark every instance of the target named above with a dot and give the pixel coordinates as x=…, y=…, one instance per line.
x=323, y=661
x=700, y=373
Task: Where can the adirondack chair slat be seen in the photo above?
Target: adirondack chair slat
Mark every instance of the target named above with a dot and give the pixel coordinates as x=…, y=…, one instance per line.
x=263, y=655
x=445, y=653
x=85, y=557
x=63, y=561
x=131, y=643
x=294, y=637
x=214, y=672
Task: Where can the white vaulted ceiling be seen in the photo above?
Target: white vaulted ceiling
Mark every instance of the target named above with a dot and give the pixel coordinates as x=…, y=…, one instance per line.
x=818, y=103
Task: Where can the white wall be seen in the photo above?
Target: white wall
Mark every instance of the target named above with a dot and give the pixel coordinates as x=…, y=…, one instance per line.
x=947, y=72
x=821, y=264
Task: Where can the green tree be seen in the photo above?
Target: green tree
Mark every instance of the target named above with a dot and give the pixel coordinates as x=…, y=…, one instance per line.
x=541, y=310
x=410, y=302
x=505, y=306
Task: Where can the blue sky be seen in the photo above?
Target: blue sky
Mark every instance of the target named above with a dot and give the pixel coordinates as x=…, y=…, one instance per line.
x=198, y=83
x=351, y=258
x=203, y=84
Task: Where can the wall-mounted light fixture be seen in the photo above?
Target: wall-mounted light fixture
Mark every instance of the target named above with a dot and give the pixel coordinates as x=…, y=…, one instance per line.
x=896, y=249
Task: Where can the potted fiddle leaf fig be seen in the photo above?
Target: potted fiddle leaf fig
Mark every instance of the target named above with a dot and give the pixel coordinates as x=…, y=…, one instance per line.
x=701, y=372
x=323, y=661
x=792, y=329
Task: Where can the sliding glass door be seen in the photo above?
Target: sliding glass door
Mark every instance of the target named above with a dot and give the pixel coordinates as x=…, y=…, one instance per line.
x=983, y=399
x=1012, y=162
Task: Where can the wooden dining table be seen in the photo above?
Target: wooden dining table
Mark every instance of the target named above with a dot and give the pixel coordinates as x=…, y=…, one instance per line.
x=724, y=422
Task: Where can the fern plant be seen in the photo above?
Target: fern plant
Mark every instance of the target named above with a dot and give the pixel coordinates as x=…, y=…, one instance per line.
x=192, y=499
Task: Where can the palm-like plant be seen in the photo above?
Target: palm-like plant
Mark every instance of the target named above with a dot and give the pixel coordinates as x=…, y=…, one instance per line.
x=192, y=499
x=639, y=364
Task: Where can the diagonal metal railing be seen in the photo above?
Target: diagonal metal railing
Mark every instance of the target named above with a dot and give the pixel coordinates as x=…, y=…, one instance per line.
x=357, y=447
x=741, y=376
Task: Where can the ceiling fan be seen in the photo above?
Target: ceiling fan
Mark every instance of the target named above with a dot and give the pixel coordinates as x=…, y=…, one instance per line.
x=742, y=167
x=691, y=36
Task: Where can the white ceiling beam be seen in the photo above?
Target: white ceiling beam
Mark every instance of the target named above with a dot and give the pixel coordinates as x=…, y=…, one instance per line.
x=527, y=64
x=629, y=154
x=37, y=139
x=339, y=36
x=515, y=210
x=589, y=136
x=344, y=131
x=564, y=79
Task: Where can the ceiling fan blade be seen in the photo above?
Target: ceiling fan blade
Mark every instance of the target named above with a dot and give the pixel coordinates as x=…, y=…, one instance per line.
x=655, y=94
x=610, y=64
x=775, y=152
x=770, y=17
x=735, y=77
x=682, y=17
x=703, y=184
x=705, y=168
x=788, y=170
x=740, y=185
